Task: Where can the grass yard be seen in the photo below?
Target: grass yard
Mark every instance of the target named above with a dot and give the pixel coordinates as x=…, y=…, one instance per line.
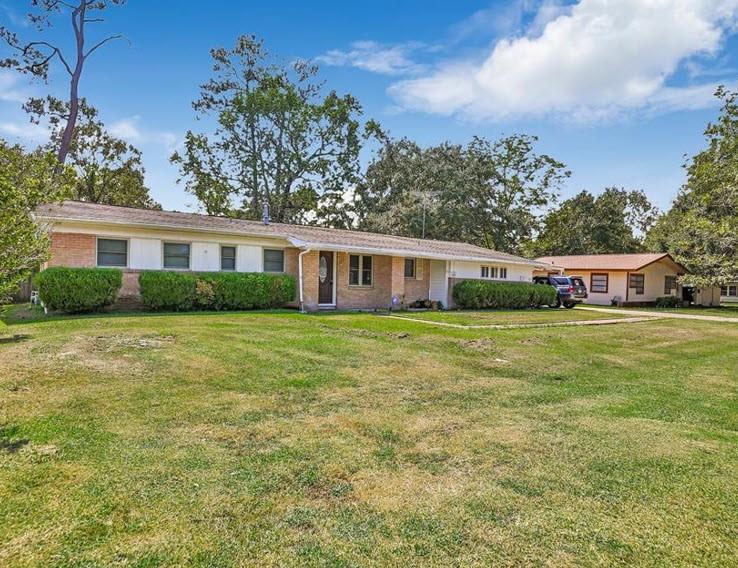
x=510, y=317
x=279, y=439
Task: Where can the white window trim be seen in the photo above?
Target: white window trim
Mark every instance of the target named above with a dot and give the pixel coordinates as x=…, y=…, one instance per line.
x=189, y=256
x=361, y=271
x=284, y=260
x=128, y=251
x=220, y=257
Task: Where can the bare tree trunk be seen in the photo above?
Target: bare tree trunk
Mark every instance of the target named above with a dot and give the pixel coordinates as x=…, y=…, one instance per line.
x=78, y=23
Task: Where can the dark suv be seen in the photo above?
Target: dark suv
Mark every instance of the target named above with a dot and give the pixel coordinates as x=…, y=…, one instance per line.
x=571, y=291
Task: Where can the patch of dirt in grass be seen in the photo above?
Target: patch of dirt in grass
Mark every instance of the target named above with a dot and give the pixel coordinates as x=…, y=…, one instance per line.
x=534, y=340
x=482, y=344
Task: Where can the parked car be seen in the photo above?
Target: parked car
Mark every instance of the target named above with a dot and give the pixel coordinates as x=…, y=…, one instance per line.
x=569, y=292
x=580, y=288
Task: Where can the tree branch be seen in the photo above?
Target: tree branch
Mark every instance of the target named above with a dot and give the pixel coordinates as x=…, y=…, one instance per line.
x=101, y=43
x=54, y=51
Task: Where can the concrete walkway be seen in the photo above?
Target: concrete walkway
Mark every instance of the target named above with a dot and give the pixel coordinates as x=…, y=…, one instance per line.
x=577, y=323
x=664, y=314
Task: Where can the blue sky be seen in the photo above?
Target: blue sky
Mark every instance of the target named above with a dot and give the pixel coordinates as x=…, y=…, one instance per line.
x=619, y=91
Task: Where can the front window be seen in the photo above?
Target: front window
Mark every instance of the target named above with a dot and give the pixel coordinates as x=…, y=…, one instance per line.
x=503, y=273
x=638, y=282
x=273, y=260
x=599, y=283
x=485, y=272
x=228, y=258
x=177, y=255
x=360, y=270
x=670, y=284
x=112, y=252
x=730, y=291
x=409, y=268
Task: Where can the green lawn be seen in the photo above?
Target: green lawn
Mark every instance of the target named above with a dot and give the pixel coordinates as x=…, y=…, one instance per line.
x=510, y=317
x=279, y=439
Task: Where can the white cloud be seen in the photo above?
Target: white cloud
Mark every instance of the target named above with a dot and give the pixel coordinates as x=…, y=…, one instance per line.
x=26, y=131
x=128, y=129
x=10, y=91
x=375, y=57
x=590, y=61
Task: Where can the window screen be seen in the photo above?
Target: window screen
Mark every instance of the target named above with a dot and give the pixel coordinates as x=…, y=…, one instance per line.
x=112, y=252
x=177, y=255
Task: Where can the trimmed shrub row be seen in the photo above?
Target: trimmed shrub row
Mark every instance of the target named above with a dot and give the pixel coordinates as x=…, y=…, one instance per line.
x=78, y=289
x=184, y=291
x=476, y=294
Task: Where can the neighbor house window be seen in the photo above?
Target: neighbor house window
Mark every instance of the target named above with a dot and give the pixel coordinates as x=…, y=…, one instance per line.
x=177, y=255
x=360, y=270
x=485, y=272
x=503, y=273
x=112, y=252
x=409, y=268
x=730, y=291
x=273, y=260
x=638, y=282
x=228, y=258
x=670, y=284
x=599, y=283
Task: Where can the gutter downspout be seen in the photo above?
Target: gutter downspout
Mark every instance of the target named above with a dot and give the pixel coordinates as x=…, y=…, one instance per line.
x=299, y=277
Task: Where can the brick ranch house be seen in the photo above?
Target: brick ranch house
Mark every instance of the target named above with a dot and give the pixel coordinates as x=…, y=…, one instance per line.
x=334, y=268
x=631, y=279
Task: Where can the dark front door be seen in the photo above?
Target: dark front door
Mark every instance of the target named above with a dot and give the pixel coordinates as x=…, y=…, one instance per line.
x=325, y=277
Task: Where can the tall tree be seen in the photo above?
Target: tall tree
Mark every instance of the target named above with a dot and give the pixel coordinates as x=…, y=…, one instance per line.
x=701, y=229
x=613, y=222
x=278, y=140
x=109, y=170
x=490, y=193
x=26, y=180
x=34, y=57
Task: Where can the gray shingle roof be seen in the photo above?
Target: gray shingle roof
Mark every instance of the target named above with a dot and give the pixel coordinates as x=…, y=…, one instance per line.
x=299, y=235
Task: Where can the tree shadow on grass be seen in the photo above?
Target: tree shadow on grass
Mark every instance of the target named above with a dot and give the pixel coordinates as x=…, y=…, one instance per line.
x=24, y=314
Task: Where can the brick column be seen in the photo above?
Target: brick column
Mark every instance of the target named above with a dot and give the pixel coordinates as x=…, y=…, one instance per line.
x=310, y=280
x=398, y=281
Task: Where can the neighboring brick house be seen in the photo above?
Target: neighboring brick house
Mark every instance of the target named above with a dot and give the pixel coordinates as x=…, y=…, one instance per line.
x=631, y=279
x=334, y=268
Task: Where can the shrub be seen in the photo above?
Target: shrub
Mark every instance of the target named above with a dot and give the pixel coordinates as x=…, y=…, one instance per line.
x=668, y=302
x=174, y=291
x=78, y=289
x=215, y=290
x=477, y=294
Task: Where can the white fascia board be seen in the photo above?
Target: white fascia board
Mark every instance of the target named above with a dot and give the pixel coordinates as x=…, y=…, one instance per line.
x=415, y=254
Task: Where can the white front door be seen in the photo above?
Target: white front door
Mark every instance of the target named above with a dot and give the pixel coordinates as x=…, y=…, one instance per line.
x=438, y=290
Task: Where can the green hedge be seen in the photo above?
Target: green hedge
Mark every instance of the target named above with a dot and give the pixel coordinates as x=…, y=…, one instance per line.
x=180, y=291
x=476, y=294
x=78, y=289
x=668, y=302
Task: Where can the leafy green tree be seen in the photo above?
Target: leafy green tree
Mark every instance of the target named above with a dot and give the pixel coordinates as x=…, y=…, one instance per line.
x=109, y=170
x=612, y=222
x=34, y=57
x=701, y=229
x=488, y=193
x=278, y=140
x=26, y=180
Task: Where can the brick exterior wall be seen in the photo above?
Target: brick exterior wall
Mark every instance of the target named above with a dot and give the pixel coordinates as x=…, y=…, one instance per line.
x=418, y=289
x=130, y=287
x=378, y=295
x=74, y=250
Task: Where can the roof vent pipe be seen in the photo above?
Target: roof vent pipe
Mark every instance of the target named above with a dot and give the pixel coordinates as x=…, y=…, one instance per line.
x=265, y=213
